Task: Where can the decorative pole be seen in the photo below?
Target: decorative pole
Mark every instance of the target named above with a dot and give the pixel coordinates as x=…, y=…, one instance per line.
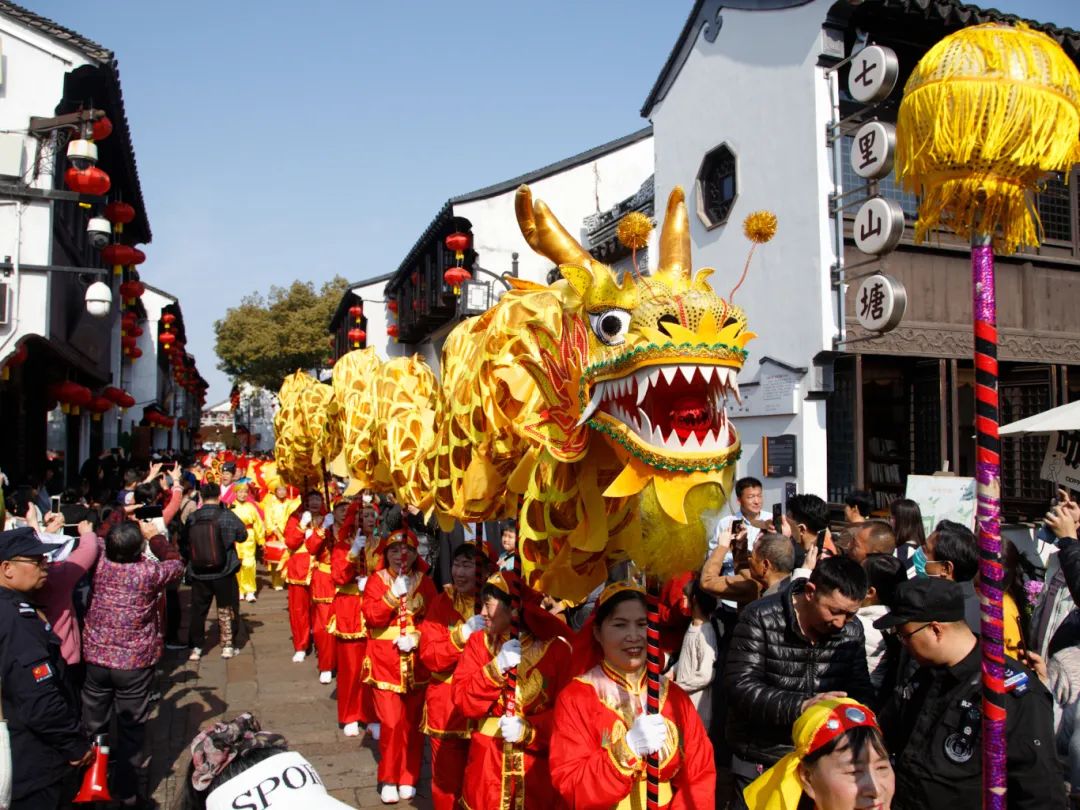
x=986, y=114
x=652, y=674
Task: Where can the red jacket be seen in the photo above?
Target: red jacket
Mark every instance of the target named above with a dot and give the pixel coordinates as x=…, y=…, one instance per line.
x=301, y=545
x=492, y=772
x=441, y=645
x=592, y=767
x=347, y=621
x=386, y=667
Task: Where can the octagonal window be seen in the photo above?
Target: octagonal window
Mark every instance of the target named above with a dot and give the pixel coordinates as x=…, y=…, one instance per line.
x=717, y=186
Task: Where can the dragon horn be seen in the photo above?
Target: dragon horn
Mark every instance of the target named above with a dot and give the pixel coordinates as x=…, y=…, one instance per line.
x=675, y=236
x=545, y=234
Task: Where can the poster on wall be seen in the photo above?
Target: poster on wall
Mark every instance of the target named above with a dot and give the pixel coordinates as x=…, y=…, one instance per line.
x=943, y=497
x=1061, y=464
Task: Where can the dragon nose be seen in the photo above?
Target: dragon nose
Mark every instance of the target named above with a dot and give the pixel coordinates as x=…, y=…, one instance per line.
x=664, y=320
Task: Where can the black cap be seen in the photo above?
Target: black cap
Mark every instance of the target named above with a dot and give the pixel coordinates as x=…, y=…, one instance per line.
x=22, y=542
x=228, y=466
x=926, y=599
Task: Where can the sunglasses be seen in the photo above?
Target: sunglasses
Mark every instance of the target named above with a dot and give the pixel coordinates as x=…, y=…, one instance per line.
x=904, y=638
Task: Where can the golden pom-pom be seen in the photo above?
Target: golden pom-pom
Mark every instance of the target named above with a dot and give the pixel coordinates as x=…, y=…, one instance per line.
x=634, y=230
x=760, y=226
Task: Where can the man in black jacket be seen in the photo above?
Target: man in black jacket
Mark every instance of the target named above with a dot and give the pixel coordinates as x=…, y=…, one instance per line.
x=788, y=651
x=217, y=583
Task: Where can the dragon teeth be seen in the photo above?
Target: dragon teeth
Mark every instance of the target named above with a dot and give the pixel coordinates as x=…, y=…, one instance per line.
x=594, y=403
x=669, y=373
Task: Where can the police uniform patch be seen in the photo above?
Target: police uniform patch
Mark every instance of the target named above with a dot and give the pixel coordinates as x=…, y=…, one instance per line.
x=959, y=748
x=42, y=672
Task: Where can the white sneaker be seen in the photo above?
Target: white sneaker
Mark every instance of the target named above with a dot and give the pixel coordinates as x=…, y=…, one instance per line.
x=373, y=730
x=389, y=794
x=326, y=676
x=351, y=730
x=228, y=652
x=196, y=654
x=299, y=656
x=406, y=791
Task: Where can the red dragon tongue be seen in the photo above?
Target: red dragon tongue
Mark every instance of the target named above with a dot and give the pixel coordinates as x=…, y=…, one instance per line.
x=690, y=414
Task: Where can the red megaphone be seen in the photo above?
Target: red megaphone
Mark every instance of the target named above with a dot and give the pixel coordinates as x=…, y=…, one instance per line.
x=95, y=786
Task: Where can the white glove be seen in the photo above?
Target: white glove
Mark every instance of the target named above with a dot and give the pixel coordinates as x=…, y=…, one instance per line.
x=328, y=521
x=400, y=586
x=512, y=728
x=361, y=583
x=509, y=656
x=305, y=520
x=406, y=643
x=360, y=540
x=647, y=735
x=471, y=626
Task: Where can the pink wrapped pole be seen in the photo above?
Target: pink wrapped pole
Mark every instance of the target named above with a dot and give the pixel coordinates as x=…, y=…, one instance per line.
x=988, y=490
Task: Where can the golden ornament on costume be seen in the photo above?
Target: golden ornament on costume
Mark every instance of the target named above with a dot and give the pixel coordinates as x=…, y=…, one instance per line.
x=634, y=229
x=760, y=226
x=987, y=112
x=597, y=402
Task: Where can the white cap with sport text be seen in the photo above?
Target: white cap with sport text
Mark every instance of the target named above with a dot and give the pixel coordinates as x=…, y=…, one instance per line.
x=282, y=782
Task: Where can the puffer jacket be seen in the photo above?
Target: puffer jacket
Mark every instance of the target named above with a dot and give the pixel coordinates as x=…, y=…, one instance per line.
x=772, y=668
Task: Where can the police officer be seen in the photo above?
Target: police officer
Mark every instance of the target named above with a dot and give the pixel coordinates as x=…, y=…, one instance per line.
x=933, y=723
x=48, y=743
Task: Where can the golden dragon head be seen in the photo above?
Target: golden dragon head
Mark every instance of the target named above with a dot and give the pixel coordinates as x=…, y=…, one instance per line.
x=664, y=353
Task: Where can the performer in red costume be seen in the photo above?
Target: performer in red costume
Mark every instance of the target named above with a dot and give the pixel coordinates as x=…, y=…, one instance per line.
x=350, y=564
x=322, y=595
x=508, y=755
x=395, y=600
x=602, y=736
x=450, y=621
x=303, y=533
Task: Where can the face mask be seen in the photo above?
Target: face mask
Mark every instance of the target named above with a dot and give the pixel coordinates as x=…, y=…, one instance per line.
x=919, y=560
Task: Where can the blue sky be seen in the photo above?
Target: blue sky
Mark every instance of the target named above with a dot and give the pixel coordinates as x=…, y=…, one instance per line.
x=278, y=140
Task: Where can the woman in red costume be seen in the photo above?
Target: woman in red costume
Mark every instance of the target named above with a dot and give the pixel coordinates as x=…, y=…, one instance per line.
x=322, y=595
x=304, y=534
x=602, y=735
x=508, y=754
x=396, y=598
x=449, y=623
x=349, y=567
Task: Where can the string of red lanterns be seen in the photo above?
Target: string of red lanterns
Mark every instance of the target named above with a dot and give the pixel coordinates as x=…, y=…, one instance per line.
x=457, y=275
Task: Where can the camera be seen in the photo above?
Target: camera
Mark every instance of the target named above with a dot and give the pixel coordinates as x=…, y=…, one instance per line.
x=99, y=232
x=82, y=154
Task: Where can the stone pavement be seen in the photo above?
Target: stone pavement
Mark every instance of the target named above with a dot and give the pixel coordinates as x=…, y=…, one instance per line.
x=286, y=698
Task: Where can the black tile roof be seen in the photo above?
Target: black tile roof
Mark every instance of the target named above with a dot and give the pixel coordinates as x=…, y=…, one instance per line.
x=945, y=14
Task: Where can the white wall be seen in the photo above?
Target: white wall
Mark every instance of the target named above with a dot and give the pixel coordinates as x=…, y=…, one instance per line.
x=572, y=195
x=33, y=84
x=758, y=89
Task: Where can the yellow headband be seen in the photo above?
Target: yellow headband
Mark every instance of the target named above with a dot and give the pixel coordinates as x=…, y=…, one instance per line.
x=618, y=587
x=779, y=787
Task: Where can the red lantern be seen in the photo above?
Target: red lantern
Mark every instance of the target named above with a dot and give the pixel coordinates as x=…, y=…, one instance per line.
x=17, y=358
x=356, y=312
x=78, y=396
x=130, y=290
x=119, y=213
x=356, y=337
x=168, y=318
x=137, y=331
x=392, y=305
x=91, y=180
x=166, y=340
x=136, y=353
x=98, y=406
x=392, y=330
x=101, y=128
x=137, y=256
x=117, y=253
x=455, y=276
x=458, y=242
x=128, y=342
x=125, y=400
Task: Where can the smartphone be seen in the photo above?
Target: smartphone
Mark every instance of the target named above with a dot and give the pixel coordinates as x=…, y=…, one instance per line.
x=821, y=541
x=1023, y=633
x=778, y=517
x=54, y=500
x=148, y=512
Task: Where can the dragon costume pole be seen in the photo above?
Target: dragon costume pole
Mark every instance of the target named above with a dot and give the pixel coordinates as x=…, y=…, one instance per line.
x=652, y=764
x=988, y=488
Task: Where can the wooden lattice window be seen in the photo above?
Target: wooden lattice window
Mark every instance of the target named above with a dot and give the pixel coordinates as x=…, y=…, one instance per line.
x=717, y=186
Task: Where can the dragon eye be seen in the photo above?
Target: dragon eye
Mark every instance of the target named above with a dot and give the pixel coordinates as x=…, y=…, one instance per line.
x=611, y=325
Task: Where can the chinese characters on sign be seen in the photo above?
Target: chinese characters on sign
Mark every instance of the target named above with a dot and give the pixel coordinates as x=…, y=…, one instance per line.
x=875, y=145
x=880, y=303
x=1061, y=464
x=878, y=226
x=873, y=74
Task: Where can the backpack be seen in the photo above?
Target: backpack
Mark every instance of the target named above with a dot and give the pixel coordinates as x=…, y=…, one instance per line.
x=205, y=548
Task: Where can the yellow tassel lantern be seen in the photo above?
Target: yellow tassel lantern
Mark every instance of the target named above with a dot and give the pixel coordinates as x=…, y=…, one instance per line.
x=986, y=113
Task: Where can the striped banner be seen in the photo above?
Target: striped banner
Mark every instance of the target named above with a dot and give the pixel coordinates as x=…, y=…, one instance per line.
x=652, y=763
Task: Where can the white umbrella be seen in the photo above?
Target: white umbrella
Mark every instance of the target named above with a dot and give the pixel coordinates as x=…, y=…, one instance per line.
x=1060, y=419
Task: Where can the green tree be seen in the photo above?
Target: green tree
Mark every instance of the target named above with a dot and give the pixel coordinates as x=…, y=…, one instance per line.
x=263, y=340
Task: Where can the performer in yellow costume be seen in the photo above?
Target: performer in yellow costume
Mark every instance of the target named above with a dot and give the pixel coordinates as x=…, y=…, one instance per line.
x=280, y=502
x=252, y=519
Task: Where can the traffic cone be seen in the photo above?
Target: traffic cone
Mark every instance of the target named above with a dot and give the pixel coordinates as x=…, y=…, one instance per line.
x=95, y=786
